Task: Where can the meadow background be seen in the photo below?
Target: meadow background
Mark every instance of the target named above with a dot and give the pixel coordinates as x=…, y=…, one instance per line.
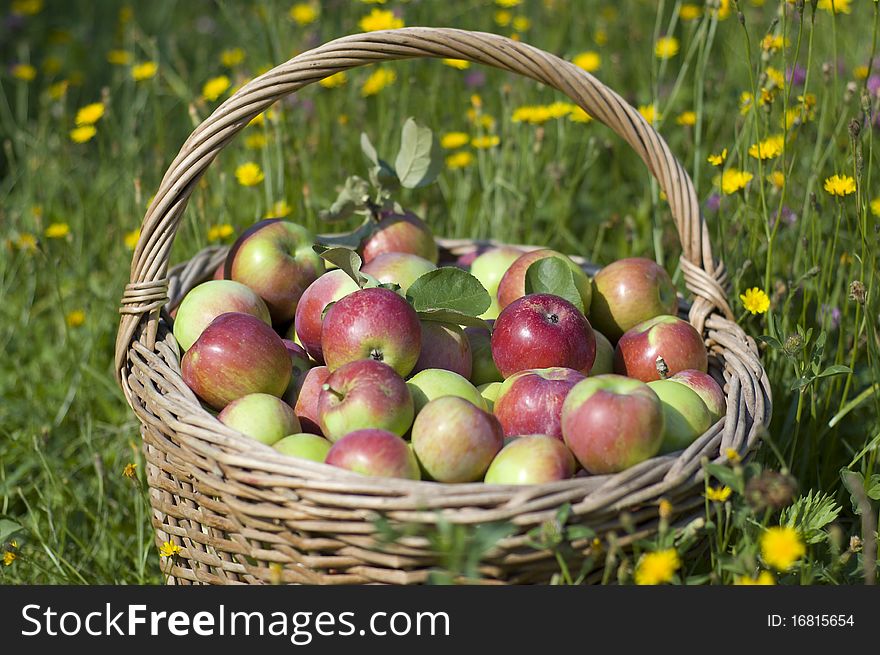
x=764, y=101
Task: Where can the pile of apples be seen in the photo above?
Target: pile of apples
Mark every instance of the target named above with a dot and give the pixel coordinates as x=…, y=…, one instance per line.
x=339, y=364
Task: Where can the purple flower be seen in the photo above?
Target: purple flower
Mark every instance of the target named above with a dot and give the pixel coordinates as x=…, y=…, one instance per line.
x=475, y=79
x=831, y=313
x=796, y=75
x=874, y=85
x=713, y=202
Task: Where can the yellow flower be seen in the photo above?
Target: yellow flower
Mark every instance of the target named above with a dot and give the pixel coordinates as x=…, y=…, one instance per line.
x=215, y=87
x=249, y=174
x=777, y=179
x=769, y=148
x=755, y=300
x=649, y=113
x=144, y=71
x=776, y=76
x=334, y=81
x=861, y=72
x=733, y=180
x=590, y=61
x=508, y=3
x=459, y=159
x=131, y=238
x=664, y=508
x=690, y=12
x=26, y=241
x=232, y=57
x=840, y=185
x=130, y=471
x=303, y=13
x=579, y=115
x=119, y=57
x=126, y=13
x=764, y=578
x=687, y=118
x=718, y=494
x=875, y=206
x=75, y=318
x=732, y=455
x=57, y=231
x=666, y=47
x=521, y=23
x=746, y=100
x=51, y=65
x=773, y=42
x=57, y=90
x=90, y=114
x=484, y=142
x=460, y=64
x=27, y=7
x=279, y=209
x=503, y=18
x=82, y=134
x=169, y=549
x=259, y=119
x=723, y=9
x=378, y=80
x=24, y=72
x=220, y=232
x=8, y=558
x=782, y=547
x=380, y=19
x=255, y=141
x=835, y=6
x=484, y=121
x=657, y=567
x=453, y=140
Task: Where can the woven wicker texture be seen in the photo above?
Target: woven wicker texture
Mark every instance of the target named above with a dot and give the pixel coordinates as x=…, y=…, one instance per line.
x=243, y=513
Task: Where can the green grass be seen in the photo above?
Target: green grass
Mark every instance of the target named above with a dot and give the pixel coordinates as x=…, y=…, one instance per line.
x=65, y=431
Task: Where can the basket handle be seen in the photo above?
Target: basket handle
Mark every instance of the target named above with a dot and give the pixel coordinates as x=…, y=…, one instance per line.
x=147, y=290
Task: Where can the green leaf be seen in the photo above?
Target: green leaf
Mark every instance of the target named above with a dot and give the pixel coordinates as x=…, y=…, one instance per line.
x=856, y=481
x=726, y=476
x=351, y=240
x=449, y=288
x=810, y=514
x=451, y=316
x=835, y=369
x=552, y=275
x=8, y=530
x=369, y=150
x=352, y=197
x=773, y=342
x=801, y=382
x=381, y=172
x=344, y=258
x=419, y=160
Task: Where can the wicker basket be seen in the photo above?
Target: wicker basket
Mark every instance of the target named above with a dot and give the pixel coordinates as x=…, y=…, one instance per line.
x=243, y=513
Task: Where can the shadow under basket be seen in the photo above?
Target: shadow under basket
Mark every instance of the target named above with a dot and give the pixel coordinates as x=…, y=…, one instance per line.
x=243, y=513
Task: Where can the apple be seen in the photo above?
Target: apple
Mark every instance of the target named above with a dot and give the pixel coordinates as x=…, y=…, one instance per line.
x=542, y=331
x=236, y=355
x=628, y=292
x=374, y=452
x=260, y=416
x=483, y=369
x=436, y=382
x=300, y=366
x=207, y=301
x=309, y=318
x=685, y=415
x=374, y=324
x=400, y=268
x=513, y=283
x=444, y=345
x=304, y=445
x=705, y=386
x=604, y=355
x=219, y=271
x=530, y=401
x=400, y=233
x=364, y=394
x=306, y=407
x=531, y=459
x=611, y=422
x=489, y=392
x=669, y=337
x=276, y=260
x=454, y=440
x=489, y=267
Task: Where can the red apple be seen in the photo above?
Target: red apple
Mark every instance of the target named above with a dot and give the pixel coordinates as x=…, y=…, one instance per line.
x=268, y=419
x=513, y=284
x=364, y=394
x=400, y=268
x=542, y=331
x=400, y=233
x=374, y=324
x=276, y=260
x=219, y=272
x=531, y=459
x=489, y=267
x=706, y=388
x=374, y=452
x=301, y=364
x=610, y=423
x=530, y=402
x=444, y=345
x=309, y=318
x=236, y=355
x=454, y=440
x=669, y=337
x=628, y=292
x=207, y=301
x=306, y=407
x=483, y=369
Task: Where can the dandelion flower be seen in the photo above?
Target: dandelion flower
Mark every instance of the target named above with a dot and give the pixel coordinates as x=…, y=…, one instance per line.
x=334, y=81
x=378, y=80
x=782, y=547
x=718, y=494
x=502, y=18
x=579, y=115
x=666, y=47
x=875, y=206
x=755, y=300
x=75, y=318
x=303, y=13
x=8, y=558
x=131, y=238
x=380, y=19
x=835, y=6
x=657, y=567
x=746, y=100
x=57, y=231
x=649, y=113
x=90, y=114
x=279, y=209
x=777, y=179
x=717, y=160
x=215, y=87
x=732, y=455
x=24, y=72
x=521, y=23
x=664, y=508
x=453, y=140
x=26, y=241
x=689, y=12
x=508, y=4
x=840, y=185
x=687, y=118
x=130, y=471
x=255, y=141
x=764, y=578
x=734, y=180
x=26, y=7
x=723, y=10
x=220, y=232
x=58, y=89
x=144, y=71
x=232, y=57
x=590, y=61
x=119, y=57
x=484, y=142
x=459, y=159
x=776, y=76
x=51, y=65
x=249, y=174
x=169, y=549
x=83, y=133
x=773, y=42
x=460, y=64
x=769, y=148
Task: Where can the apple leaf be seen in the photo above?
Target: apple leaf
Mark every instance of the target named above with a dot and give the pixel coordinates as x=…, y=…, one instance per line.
x=353, y=196
x=8, y=530
x=451, y=316
x=344, y=258
x=449, y=288
x=351, y=240
x=552, y=275
x=381, y=172
x=419, y=160
x=369, y=150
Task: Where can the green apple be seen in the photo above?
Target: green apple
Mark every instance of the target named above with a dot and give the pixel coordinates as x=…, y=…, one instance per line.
x=531, y=459
x=604, y=362
x=685, y=415
x=436, y=382
x=260, y=416
x=489, y=392
x=489, y=268
x=304, y=445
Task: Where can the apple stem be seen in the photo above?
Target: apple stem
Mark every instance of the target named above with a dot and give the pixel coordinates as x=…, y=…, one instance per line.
x=327, y=387
x=662, y=368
